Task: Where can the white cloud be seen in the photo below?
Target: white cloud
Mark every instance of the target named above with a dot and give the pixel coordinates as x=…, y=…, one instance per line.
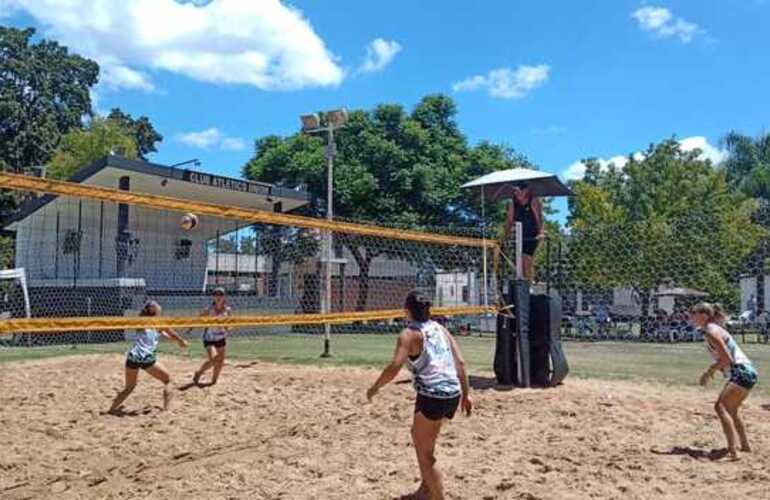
x=379, y=53
x=7, y=8
x=506, y=83
x=578, y=169
x=707, y=152
x=210, y=138
x=262, y=43
x=122, y=77
x=233, y=144
x=551, y=130
x=663, y=23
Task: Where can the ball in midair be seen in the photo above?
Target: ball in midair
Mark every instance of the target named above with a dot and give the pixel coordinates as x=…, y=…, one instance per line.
x=188, y=221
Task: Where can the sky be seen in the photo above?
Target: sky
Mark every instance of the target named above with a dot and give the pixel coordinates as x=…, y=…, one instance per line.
x=558, y=81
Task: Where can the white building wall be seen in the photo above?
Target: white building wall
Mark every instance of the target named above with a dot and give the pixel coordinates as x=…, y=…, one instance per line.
x=155, y=261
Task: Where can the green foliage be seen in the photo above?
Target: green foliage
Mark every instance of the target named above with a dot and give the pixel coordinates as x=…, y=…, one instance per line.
x=748, y=164
x=393, y=168
x=44, y=93
x=81, y=147
x=145, y=135
x=7, y=252
x=666, y=218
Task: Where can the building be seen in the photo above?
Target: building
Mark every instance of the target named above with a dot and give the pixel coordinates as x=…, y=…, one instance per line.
x=87, y=257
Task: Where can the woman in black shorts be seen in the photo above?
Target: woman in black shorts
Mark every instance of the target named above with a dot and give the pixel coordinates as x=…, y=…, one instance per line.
x=142, y=356
x=439, y=380
x=215, y=338
x=527, y=209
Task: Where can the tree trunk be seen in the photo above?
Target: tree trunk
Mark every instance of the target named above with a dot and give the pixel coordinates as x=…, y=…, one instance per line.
x=363, y=284
x=363, y=260
x=272, y=286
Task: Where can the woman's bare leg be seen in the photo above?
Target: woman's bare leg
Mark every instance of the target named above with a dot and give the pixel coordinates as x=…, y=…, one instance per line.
x=732, y=397
x=528, y=268
x=131, y=377
x=211, y=352
x=160, y=373
x=219, y=362
x=424, y=434
x=727, y=422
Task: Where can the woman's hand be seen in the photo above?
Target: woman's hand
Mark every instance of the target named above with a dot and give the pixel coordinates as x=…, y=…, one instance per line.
x=467, y=405
x=705, y=377
x=183, y=343
x=371, y=392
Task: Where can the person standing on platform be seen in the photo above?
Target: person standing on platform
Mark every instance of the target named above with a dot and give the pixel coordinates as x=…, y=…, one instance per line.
x=527, y=209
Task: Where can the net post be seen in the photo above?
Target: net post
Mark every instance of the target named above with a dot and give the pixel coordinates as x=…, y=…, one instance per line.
x=519, y=249
x=485, y=291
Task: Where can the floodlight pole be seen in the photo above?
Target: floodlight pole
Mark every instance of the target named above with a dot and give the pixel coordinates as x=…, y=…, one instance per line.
x=330, y=152
x=336, y=119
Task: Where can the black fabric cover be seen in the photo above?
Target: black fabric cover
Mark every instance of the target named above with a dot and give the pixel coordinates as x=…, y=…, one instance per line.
x=512, y=363
x=548, y=363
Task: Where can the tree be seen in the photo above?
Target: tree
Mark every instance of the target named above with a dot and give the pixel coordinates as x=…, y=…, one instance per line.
x=44, y=93
x=666, y=217
x=78, y=147
x=748, y=164
x=393, y=167
x=144, y=133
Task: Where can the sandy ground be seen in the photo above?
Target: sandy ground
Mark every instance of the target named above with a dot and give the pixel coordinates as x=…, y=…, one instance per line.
x=277, y=431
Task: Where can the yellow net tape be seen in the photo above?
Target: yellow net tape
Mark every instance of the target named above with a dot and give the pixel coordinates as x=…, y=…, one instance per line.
x=26, y=183
x=62, y=325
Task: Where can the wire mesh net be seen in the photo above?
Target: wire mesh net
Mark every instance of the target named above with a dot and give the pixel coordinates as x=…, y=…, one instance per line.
x=85, y=263
x=637, y=281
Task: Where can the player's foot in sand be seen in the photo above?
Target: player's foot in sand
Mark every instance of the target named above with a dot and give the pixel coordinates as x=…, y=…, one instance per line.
x=745, y=448
x=196, y=378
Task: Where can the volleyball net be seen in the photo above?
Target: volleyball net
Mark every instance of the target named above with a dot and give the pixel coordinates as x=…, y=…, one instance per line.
x=85, y=259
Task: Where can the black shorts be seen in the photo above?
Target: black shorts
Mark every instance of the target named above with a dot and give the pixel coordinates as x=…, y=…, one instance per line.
x=436, y=408
x=140, y=365
x=215, y=343
x=529, y=246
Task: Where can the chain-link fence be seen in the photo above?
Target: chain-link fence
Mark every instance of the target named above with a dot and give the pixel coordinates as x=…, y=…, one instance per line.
x=637, y=281
x=82, y=265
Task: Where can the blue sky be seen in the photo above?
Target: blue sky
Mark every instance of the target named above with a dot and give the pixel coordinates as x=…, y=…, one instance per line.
x=558, y=81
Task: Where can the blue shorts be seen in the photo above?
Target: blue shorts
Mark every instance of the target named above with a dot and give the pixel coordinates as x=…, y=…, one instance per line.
x=743, y=375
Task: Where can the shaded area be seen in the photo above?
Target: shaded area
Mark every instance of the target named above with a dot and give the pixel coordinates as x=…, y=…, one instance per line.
x=696, y=453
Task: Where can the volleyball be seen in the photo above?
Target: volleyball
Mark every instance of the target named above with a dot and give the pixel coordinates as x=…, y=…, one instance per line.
x=188, y=221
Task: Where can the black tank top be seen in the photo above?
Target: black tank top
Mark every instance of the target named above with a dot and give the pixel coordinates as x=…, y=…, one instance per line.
x=526, y=215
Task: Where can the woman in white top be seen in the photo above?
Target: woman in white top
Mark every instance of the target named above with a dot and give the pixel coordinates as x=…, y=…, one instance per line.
x=142, y=356
x=728, y=358
x=439, y=380
x=215, y=338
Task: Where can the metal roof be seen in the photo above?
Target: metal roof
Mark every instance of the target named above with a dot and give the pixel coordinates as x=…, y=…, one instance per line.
x=269, y=191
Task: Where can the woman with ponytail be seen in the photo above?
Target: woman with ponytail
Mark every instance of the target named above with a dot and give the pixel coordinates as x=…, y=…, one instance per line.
x=142, y=356
x=728, y=358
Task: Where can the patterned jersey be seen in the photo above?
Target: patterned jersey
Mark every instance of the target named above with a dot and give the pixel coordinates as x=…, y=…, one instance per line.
x=737, y=356
x=145, y=345
x=435, y=374
x=216, y=333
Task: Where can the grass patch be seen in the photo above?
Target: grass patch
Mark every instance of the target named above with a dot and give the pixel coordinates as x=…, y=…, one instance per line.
x=676, y=364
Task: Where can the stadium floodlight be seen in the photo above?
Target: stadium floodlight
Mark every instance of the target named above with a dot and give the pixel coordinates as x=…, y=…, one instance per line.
x=337, y=117
x=311, y=123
